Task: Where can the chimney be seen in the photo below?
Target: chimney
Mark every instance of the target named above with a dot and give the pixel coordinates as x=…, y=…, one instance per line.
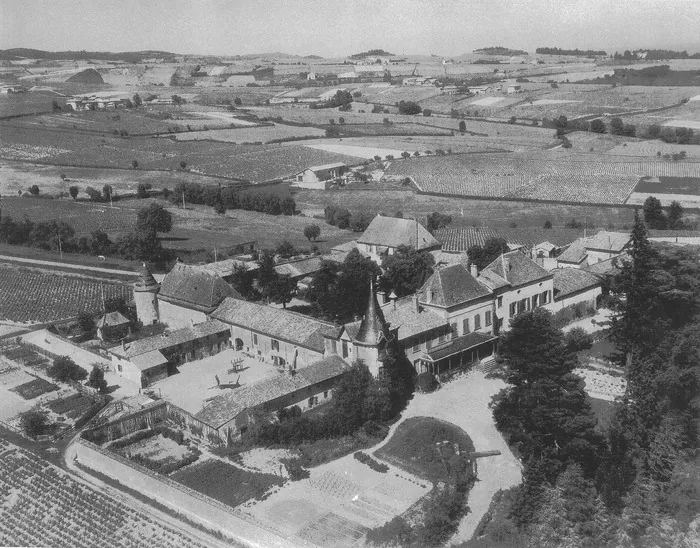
x=474, y=270
x=123, y=345
x=416, y=306
x=506, y=265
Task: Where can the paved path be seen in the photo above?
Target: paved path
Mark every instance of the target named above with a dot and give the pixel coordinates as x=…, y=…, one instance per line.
x=464, y=402
x=72, y=266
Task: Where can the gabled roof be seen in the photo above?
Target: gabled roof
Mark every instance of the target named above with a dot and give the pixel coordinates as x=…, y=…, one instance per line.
x=229, y=405
x=192, y=287
x=568, y=281
x=461, y=239
x=451, y=286
x=575, y=254
x=278, y=324
x=325, y=167
x=517, y=269
x=112, y=319
x=168, y=340
x=299, y=268
x=608, y=241
x=393, y=232
x=402, y=315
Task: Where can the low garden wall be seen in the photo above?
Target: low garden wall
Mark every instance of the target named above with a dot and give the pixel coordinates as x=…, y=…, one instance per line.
x=209, y=512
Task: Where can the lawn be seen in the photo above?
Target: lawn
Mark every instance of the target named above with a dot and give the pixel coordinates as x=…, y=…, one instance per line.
x=413, y=447
x=34, y=389
x=224, y=482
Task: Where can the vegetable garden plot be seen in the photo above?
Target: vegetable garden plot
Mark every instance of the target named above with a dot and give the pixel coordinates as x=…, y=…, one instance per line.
x=43, y=506
x=34, y=389
x=75, y=404
x=333, y=530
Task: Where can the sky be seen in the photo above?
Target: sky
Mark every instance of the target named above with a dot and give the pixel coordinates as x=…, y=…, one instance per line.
x=342, y=27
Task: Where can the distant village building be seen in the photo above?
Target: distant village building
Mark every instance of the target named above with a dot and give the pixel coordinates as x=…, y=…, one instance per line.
x=515, y=88
x=591, y=250
x=320, y=177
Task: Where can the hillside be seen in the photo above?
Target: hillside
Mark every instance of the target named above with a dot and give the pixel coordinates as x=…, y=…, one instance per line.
x=500, y=50
x=127, y=56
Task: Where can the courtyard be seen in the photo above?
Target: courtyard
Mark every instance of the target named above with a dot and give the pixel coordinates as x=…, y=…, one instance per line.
x=196, y=381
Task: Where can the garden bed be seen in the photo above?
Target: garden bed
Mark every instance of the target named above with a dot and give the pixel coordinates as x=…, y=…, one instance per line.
x=72, y=406
x=226, y=483
x=35, y=388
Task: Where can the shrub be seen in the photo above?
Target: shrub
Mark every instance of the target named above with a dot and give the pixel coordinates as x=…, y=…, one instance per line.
x=374, y=464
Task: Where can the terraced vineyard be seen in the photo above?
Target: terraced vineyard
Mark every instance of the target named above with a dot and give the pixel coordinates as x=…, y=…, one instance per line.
x=34, y=296
x=43, y=506
x=551, y=177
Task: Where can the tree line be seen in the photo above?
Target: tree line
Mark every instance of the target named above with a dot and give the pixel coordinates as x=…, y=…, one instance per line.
x=635, y=480
x=224, y=198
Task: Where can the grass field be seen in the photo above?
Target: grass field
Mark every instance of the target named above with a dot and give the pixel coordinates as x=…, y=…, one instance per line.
x=413, y=446
x=262, y=134
x=225, y=482
x=464, y=211
x=34, y=296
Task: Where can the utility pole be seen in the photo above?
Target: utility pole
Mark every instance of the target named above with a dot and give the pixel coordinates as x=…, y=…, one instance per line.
x=60, y=247
x=183, y=200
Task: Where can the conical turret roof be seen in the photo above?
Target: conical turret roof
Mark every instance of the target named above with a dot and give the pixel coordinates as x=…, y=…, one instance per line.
x=146, y=281
x=373, y=328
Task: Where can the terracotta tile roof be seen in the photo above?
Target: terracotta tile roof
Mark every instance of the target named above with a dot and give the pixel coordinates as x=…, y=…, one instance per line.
x=168, y=340
x=608, y=241
x=517, y=269
x=393, y=232
x=300, y=268
x=571, y=280
x=191, y=287
x=450, y=286
x=228, y=406
x=325, y=167
x=402, y=315
x=279, y=324
x=112, y=319
x=461, y=239
x=605, y=268
x=492, y=280
x=227, y=267
x=149, y=360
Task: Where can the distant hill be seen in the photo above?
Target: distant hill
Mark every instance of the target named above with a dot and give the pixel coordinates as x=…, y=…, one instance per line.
x=127, y=56
x=87, y=76
x=500, y=50
x=572, y=52
x=371, y=53
x=313, y=57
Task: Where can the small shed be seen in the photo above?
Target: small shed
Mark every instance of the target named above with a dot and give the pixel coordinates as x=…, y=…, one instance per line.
x=318, y=176
x=113, y=325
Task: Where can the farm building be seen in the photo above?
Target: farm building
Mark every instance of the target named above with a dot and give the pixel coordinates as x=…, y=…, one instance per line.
x=588, y=251
x=190, y=294
x=227, y=268
x=145, y=361
x=113, y=325
x=532, y=240
x=300, y=269
x=320, y=177
x=573, y=286
x=385, y=234
x=239, y=80
x=229, y=414
x=284, y=338
x=515, y=88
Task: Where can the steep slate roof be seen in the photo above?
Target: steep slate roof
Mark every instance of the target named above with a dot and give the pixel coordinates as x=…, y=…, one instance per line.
x=571, y=280
x=192, y=287
x=279, y=324
x=299, y=268
x=373, y=327
x=450, y=286
x=112, y=319
x=393, y=232
x=402, y=315
x=230, y=404
x=168, y=340
x=461, y=239
x=517, y=269
x=146, y=281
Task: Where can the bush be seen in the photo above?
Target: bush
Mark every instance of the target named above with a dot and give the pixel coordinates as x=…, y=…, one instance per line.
x=426, y=382
x=65, y=369
x=374, y=464
x=295, y=470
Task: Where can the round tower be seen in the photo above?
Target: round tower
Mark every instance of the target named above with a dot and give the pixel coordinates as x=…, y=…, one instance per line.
x=146, y=297
x=373, y=335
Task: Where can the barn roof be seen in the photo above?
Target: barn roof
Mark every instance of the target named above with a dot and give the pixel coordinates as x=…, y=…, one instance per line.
x=402, y=315
x=574, y=254
x=168, y=340
x=112, y=319
x=461, y=239
x=568, y=281
x=195, y=288
x=451, y=286
x=393, y=232
x=229, y=405
x=299, y=268
x=279, y=324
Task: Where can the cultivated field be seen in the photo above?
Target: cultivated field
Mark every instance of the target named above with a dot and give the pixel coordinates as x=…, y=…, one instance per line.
x=548, y=177
x=262, y=134
x=32, y=296
x=43, y=506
